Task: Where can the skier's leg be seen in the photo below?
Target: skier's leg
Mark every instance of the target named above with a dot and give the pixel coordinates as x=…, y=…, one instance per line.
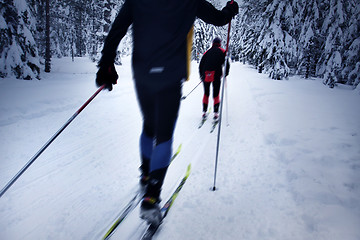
x=205, y=100
x=147, y=107
x=166, y=110
x=216, y=94
x=146, y=149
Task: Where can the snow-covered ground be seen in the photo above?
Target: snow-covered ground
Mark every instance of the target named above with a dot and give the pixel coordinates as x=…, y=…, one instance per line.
x=289, y=159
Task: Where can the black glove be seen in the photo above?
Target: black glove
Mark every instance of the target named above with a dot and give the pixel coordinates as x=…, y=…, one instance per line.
x=233, y=7
x=106, y=75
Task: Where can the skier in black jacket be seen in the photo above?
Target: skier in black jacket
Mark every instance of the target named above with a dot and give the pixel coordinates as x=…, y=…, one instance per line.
x=210, y=69
x=160, y=61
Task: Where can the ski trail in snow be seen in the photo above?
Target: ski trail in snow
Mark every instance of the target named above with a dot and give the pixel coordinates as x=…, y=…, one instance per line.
x=243, y=168
x=290, y=153
x=188, y=136
x=133, y=227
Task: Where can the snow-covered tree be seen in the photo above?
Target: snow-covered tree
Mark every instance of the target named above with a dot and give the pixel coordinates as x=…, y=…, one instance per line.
x=332, y=28
x=351, y=55
x=95, y=40
x=102, y=15
x=308, y=37
x=18, y=50
x=313, y=38
x=205, y=33
x=268, y=37
x=235, y=39
x=309, y=40
x=351, y=70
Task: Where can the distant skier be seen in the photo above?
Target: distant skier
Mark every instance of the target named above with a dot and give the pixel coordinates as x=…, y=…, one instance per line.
x=162, y=38
x=210, y=70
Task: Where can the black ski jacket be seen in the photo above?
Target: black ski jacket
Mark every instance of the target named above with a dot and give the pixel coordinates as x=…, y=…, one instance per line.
x=212, y=60
x=160, y=32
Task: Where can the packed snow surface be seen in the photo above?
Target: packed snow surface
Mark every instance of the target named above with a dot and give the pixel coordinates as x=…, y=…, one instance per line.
x=288, y=167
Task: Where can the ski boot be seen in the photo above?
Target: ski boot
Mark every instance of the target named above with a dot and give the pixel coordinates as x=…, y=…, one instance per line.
x=150, y=211
x=150, y=208
x=204, y=116
x=216, y=117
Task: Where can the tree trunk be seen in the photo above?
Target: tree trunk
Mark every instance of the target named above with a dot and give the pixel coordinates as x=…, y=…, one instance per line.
x=47, y=38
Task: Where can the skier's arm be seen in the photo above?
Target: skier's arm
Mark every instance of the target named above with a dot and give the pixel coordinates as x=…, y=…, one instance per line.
x=118, y=30
x=208, y=13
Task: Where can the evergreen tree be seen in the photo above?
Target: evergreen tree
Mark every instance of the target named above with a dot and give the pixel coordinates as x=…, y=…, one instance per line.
x=78, y=9
x=313, y=38
x=96, y=26
x=235, y=39
x=331, y=60
x=203, y=36
x=62, y=29
x=18, y=51
x=308, y=37
x=205, y=33
x=309, y=41
x=351, y=55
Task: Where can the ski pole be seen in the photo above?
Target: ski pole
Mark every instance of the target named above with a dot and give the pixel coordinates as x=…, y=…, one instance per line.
x=191, y=90
x=27, y=165
x=227, y=105
x=221, y=105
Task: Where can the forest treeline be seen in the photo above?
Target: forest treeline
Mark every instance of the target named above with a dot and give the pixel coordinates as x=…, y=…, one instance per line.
x=311, y=38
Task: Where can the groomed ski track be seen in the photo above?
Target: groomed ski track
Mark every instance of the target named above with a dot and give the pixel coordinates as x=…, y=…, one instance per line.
x=281, y=172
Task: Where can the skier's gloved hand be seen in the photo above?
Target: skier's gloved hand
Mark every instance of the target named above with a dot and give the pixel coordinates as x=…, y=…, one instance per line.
x=233, y=7
x=106, y=75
